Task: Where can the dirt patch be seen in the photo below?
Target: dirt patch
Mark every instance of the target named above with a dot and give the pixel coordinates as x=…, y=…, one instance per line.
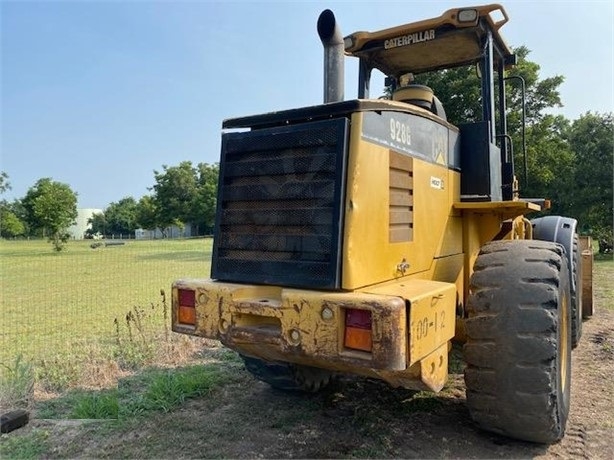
x=590, y=428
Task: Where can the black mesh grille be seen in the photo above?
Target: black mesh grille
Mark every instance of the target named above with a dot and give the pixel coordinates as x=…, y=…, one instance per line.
x=279, y=205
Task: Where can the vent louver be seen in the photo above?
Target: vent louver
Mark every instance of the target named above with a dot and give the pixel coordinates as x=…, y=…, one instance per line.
x=401, y=198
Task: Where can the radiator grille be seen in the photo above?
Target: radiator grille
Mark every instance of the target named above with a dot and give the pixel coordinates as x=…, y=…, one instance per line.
x=279, y=205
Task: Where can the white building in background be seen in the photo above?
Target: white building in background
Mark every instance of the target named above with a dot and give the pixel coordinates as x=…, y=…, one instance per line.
x=77, y=231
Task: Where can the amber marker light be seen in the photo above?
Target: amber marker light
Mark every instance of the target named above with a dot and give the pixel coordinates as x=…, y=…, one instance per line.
x=187, y=306
x=358, y=330
x=468, y=15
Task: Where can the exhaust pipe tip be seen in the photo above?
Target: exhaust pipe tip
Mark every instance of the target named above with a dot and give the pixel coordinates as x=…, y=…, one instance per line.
x=327, y=29
x=334, y=54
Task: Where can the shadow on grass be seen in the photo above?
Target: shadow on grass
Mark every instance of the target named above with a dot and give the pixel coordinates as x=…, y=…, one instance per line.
x=35, y=254
x=185, y=256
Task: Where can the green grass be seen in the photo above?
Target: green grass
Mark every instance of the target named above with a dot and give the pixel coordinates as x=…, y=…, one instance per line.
x=97, y=405
x=80, y=404
x=161, y=390
x=53, y=303
x=136, y=401
x=152, y=390
x=24, y=447
x=603, y=287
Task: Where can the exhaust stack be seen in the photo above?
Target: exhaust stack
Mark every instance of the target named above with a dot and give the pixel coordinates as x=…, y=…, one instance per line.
x=330, y=34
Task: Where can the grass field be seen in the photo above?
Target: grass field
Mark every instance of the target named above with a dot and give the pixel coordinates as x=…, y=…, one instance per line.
x=58, y=311
x=603, y=280
x=62, y=303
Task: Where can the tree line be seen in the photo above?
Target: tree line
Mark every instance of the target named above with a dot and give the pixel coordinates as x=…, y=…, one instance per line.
x=181, y=195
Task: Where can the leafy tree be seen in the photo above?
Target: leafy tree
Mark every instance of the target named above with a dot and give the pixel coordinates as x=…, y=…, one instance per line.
x=544, y=131
x=174, y=193
x=10, y=224
x=591, y=138
x=540, y=94
x=459, y=91
x=19, y=211
x=205, y=200
x=550, y=163
x=147, y=213
x=4, y=182
x=98, y=224
x=52, y=207
x=184, y=194
x=120, y=217
x=117, y=218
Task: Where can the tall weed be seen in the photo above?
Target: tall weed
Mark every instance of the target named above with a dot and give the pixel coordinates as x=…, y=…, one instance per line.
x=143, y=337
x=16, y=384
x=140, y=334
x=99, y=405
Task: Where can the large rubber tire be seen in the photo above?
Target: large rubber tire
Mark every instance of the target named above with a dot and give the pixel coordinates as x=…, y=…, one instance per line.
x=562, y=230
x=288, y=376
x=576, y=294
x=518, y=349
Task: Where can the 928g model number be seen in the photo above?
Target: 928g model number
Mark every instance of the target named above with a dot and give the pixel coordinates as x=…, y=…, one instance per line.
x=400, y=132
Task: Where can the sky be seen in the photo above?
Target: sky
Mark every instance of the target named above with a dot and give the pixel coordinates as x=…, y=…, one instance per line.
x=98, y=95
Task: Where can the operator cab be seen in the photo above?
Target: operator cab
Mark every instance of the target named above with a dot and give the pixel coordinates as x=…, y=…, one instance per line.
x=459, y=37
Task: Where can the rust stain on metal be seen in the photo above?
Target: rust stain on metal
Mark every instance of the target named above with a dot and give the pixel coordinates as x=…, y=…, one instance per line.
x=220, y=304
x=254, y=335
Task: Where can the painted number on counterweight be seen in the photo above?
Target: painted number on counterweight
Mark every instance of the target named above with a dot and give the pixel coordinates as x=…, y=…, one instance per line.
x=400, y=132
x=424, y=326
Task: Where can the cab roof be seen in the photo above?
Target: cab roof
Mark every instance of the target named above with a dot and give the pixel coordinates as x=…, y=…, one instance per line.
x=453, y=39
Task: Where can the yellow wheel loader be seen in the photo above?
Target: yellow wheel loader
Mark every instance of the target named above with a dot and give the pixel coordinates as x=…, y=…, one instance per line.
x=361, y=236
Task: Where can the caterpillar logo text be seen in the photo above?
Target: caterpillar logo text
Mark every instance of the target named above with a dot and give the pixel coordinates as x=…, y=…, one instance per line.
x=410, y=39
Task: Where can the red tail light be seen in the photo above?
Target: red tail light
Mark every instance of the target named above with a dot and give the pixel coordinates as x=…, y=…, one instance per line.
x=186, y=313
x=358, y=329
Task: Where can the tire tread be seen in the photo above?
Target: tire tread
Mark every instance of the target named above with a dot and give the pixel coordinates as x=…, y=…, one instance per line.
x=511, y=349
